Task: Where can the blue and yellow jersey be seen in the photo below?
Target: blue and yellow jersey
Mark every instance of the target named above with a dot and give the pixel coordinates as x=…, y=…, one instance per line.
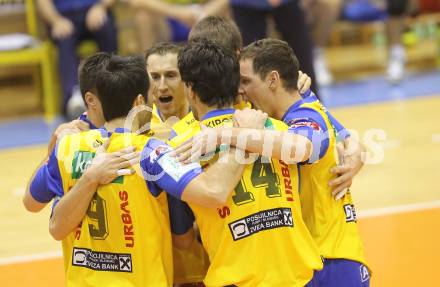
x=258, y=238
x=189, y=265
x=332, y=223
x=341, y=131
x=124, y=238
x=189, y=122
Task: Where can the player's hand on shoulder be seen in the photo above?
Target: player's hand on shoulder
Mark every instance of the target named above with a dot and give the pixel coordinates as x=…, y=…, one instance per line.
x=106, y=167
x=73, y=127
x=204, y=143
x=249, y=118
x=349, y=166
x=304, y=82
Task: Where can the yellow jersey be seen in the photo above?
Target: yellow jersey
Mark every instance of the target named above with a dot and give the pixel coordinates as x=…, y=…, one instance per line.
x=258, y=238
x=189, y=121
x=124, y=238
x=332, y=223
x=189, y=265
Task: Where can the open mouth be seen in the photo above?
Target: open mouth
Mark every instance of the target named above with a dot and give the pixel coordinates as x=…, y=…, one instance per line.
x=165, y=99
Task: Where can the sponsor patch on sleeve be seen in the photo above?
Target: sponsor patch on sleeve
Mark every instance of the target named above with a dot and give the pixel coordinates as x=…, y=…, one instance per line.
x=174, y=169
x=155, y=153
x=304, y=122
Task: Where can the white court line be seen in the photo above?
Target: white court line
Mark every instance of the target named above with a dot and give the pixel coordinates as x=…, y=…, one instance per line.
x=28, y=258
x=398, y=209
x=361, y=214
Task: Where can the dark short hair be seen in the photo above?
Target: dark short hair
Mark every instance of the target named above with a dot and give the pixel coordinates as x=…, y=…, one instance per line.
x=163, y=48
x=88, y=71
x=118, y=85
x=218, y=30
x=212, y=71
x=272, y=54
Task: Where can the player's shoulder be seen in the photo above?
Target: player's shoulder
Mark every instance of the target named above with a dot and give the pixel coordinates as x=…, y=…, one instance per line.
x=305, y=111
x=186, y=122
x=87, y=141
x=275, y=124
x=184, y=135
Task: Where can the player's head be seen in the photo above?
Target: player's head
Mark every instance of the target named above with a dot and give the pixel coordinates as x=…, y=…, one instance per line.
x=211, y=74
x=121, y=85
x=268, y=67
x=218, y=30
x=87, y=74
x=166, y=84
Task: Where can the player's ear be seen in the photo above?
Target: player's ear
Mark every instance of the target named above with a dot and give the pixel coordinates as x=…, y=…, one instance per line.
x=91, y=100
x=189, y=92
x=139, y=100
x=273, y=79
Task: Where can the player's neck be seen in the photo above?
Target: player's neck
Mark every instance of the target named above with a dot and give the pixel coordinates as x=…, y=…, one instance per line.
x=202, y=110
x=284, y=101
x=112, y=125
x=94, y=119
x=181, y=113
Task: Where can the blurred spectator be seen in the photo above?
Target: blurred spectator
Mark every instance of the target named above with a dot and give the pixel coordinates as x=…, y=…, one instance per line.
x=322, y=14
x=397, y=10
x=289, y=18
x=70, y=22
x=180, y=15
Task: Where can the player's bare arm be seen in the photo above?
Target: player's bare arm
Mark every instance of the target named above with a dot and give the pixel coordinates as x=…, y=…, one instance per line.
x=212, y=187
x=291, y=148
x=72, y=207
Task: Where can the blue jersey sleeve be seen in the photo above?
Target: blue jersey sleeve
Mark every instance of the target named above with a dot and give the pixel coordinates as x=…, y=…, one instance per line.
x=163, y=172
x=341, y=131
x=173, y=134
x=47, y=182
x=181, y=216
x=309, y=123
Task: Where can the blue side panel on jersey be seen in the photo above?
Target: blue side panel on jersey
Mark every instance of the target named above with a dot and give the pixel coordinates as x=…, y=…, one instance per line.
x=377, y=89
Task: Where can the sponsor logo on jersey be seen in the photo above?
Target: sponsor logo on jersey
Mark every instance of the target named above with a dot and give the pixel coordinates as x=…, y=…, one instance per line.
x=287, y=180
x=365, y=275
x=101, y=261
x=216, y=122
x=126, y=219
x=350, y=213
x=260, y=221
x=82, y=160
x=304, y=122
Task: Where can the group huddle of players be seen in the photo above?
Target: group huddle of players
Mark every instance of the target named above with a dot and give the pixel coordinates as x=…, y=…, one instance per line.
x=230, y=196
